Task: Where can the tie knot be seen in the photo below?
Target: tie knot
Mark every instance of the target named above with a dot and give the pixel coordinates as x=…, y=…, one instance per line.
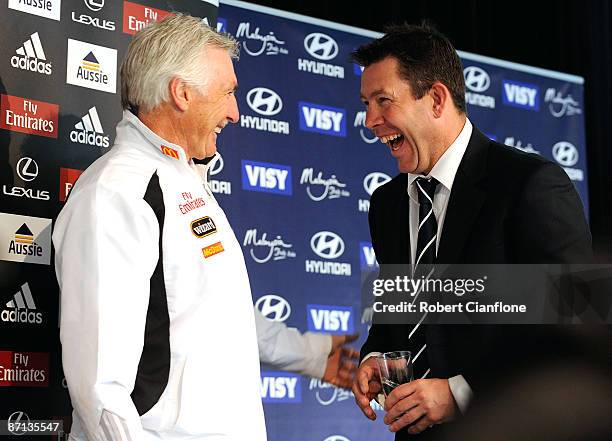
x=426, y=189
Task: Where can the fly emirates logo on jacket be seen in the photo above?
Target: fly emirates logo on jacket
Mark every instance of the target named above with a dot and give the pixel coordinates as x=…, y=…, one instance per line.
x=189, y=203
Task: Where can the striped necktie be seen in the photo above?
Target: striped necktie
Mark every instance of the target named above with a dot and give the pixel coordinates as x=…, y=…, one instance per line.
x=425, y=257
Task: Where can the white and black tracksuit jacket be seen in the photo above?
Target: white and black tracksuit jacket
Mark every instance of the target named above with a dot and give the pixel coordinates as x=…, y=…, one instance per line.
x=157, y=327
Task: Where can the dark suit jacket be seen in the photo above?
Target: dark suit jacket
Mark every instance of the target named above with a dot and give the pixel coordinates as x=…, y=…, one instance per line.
x=506, y=206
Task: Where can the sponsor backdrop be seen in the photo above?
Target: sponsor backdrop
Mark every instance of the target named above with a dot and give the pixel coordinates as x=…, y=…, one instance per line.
x=296, y=178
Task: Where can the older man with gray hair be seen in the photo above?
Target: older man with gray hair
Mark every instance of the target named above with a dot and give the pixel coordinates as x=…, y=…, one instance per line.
x=157, y=326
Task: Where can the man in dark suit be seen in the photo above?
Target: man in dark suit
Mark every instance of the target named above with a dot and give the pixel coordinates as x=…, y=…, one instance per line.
x=460, y=199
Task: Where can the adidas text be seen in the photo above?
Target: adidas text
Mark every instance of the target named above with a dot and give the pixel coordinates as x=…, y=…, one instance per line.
x=89, y=138
x=21, y=316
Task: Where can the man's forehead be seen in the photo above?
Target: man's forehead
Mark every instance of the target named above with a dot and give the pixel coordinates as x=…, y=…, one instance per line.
x=377, y=81
x=380, y=78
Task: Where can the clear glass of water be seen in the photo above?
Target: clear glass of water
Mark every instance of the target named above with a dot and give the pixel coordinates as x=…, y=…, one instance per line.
x=395, y=368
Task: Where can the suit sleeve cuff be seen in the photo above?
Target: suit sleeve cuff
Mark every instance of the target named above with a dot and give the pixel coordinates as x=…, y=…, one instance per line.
x=462, y=392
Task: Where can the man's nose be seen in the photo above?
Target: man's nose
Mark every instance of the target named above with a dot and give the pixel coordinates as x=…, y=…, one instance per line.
x=233, y=114
x=373, y=118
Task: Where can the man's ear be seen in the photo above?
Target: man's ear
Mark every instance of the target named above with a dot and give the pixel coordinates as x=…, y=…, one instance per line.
x=440, y=96
x=180, y=93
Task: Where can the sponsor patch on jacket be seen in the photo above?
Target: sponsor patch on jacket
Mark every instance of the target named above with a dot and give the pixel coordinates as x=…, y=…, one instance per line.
x=203, y=227
x=213, y=249
x=190, y=203
x=169, y=152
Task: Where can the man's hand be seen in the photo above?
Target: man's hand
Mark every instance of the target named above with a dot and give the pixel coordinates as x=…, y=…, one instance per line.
x=338, y=341
x=367, y=386
x=340, y=369
x=419, y=404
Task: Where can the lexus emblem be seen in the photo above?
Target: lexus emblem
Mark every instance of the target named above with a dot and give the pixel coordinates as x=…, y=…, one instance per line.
x=327, y=245
x=273, y=307
x=476, y=79
x=374, y=180
x=21, y=419
x=565, y=153
x=94, y=5
x=321, y=46
x=27, y=169
x=264, y=101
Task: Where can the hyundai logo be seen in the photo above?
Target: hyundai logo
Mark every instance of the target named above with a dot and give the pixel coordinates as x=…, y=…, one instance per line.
x=27, y=169
x=336, y=438
x=94, y=5
x=264, y=101
x=565, y=153
x=374, y=180
x=327, y=245
x=476, y=79
x=217, y=166
x=321, y=46
x=273, y=307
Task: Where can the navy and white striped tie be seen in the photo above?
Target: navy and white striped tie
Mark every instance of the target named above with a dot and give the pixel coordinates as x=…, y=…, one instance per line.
x=424, y=259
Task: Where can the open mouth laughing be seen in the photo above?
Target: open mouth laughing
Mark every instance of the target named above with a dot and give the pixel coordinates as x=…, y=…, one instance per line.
x=394, y=141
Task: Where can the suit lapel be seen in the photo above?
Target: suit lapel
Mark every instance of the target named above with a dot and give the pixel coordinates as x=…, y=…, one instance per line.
x=466, y=199
x=403, y=252
x=396, y=232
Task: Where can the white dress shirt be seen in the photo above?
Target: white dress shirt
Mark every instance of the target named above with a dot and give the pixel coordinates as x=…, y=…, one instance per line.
x=444, y=172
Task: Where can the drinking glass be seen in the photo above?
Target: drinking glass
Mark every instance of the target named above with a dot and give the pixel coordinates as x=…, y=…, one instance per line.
x=395, y=368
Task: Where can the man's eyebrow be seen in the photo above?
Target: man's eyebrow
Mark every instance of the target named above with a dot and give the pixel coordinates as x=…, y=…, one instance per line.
x=374, y=93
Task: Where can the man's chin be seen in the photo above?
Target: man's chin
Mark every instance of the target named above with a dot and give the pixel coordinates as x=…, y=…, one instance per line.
x=406, y=168
x=405, y=165
x=209, y=152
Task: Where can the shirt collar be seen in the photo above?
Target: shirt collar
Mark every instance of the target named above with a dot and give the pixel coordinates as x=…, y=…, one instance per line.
x=170, y=150
x=445, y=169
x=203, y=168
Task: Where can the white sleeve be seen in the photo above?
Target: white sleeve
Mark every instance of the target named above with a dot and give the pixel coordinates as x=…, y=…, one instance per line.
x=287, y=349
x=462, y=392
x=106, y=251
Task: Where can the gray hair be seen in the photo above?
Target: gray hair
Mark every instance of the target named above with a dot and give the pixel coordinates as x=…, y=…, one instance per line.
x=165, y=50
